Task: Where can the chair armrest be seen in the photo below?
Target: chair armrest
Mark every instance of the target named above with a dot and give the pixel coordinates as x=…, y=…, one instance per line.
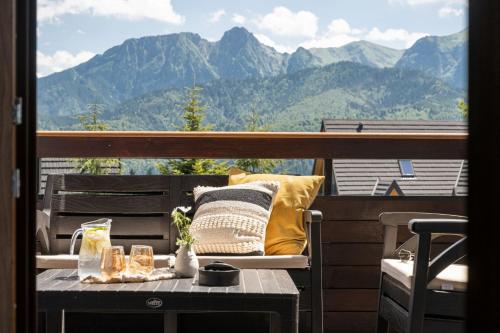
x=312, y=225
x=313, y=216
x=395, y=219
x=438, y=226
x=42, y=230
x=391, y=221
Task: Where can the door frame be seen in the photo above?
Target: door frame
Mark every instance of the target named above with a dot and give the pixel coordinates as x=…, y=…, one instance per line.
x=17, y=165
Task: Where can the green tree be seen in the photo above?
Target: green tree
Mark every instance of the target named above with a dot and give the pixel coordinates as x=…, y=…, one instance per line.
x=193, y=116
x=464, y=108
x=254, y=124
x=90, y=122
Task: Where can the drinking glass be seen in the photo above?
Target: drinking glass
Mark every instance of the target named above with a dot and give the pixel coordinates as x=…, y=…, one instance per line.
x=112, y=262
x=141, y=260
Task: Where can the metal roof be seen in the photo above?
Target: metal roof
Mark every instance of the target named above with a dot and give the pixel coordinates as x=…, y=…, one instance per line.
x=461, y=184
x=366, y=176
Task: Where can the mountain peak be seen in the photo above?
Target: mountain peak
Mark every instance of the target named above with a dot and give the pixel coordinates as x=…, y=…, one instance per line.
x=238, y=36
x=237, y=31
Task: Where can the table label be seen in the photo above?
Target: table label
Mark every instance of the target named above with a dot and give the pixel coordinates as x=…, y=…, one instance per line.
x=154, y=303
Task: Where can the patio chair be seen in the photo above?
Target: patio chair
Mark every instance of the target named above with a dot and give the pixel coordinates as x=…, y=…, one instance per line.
x=422, y=294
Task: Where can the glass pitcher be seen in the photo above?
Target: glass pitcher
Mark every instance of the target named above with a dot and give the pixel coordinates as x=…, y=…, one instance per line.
x=95, y=236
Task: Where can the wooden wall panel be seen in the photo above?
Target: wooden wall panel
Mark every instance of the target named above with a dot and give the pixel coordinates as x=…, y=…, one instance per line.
x=7, y=163
x=352, y=248
x=336, y=322
x=351, y=277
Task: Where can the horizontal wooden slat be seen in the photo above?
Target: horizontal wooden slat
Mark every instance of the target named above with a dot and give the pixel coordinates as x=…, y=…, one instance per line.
x=191, y=181
x=352, y=322
x=121, y=225
x=89, y=183
x=351, y=300
x=80, y=203
x=351, y=277
x=352, y=254
x=352, y=231
x=369, y=208
x=251, y=145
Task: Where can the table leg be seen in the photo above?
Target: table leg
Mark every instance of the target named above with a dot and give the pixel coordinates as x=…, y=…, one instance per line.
x=170, y=322
x=289, y=317
x=54, y=321
x=274, y=322
x=289, y=324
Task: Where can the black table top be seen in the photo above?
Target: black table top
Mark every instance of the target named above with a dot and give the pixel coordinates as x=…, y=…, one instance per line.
x=252, y=282
x=260, y=290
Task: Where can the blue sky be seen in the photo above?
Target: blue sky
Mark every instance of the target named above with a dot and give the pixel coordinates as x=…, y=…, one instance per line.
x=72, y=31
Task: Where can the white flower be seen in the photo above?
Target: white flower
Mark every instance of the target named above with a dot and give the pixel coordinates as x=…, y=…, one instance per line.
x=183, y=209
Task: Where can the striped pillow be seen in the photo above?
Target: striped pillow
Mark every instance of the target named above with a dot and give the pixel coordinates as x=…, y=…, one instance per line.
x=232, y=219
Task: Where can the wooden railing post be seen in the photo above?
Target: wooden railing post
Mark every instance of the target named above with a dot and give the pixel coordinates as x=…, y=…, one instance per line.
x=328, y=172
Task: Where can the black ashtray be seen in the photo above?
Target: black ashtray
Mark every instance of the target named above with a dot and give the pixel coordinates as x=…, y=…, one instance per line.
x=220, y=274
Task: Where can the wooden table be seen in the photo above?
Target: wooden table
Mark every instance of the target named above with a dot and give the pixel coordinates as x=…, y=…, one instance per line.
x=260, y=290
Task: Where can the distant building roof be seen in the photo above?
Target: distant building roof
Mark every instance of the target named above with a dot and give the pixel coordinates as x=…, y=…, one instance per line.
x=461, y=184
x=387, y=188
x=373, y=176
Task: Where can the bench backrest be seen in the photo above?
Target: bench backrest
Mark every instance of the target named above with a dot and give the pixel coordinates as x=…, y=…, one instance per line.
x=139, y=206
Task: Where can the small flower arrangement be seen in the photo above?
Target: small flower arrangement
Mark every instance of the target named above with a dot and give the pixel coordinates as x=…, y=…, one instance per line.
x=182, y=222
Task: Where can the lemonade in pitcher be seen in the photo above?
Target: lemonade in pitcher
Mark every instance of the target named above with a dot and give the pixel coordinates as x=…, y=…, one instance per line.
x=95, y=236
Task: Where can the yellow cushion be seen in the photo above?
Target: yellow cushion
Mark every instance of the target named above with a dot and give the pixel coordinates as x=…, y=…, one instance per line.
x=285, y=232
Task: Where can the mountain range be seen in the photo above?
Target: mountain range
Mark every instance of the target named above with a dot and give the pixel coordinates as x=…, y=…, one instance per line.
x=141, y=83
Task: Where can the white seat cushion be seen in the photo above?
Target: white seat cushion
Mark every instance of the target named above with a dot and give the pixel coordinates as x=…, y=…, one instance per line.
x=256, y=262
x=454, y=277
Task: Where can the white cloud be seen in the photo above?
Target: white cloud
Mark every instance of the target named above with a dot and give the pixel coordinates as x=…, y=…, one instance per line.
x=238, y=19
x=269, y=42
x=80, y=32
x=339, y=33
x=426, y=2
x=394, y=36
x=217, y=15
x=450, y=11
x=60, y=60
x=52, y=10
x=422, y=2
x=450, y=7
x=283, y=22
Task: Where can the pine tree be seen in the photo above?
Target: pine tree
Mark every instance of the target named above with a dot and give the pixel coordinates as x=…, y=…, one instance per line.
x=193, y=116
x=90, y=122
x=257, y=165
x=464, y=108
x=194, y=112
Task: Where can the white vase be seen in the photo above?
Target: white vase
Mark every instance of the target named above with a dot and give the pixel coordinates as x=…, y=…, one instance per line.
x=186, y=262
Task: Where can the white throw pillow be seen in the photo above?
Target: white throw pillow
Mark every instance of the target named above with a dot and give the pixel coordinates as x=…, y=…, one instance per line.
x=232, y=219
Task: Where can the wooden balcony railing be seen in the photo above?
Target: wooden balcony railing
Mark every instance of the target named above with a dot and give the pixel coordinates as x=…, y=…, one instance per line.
x=282, y=145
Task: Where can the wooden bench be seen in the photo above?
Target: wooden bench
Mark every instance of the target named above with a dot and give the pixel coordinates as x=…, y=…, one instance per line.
x=140, y=208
